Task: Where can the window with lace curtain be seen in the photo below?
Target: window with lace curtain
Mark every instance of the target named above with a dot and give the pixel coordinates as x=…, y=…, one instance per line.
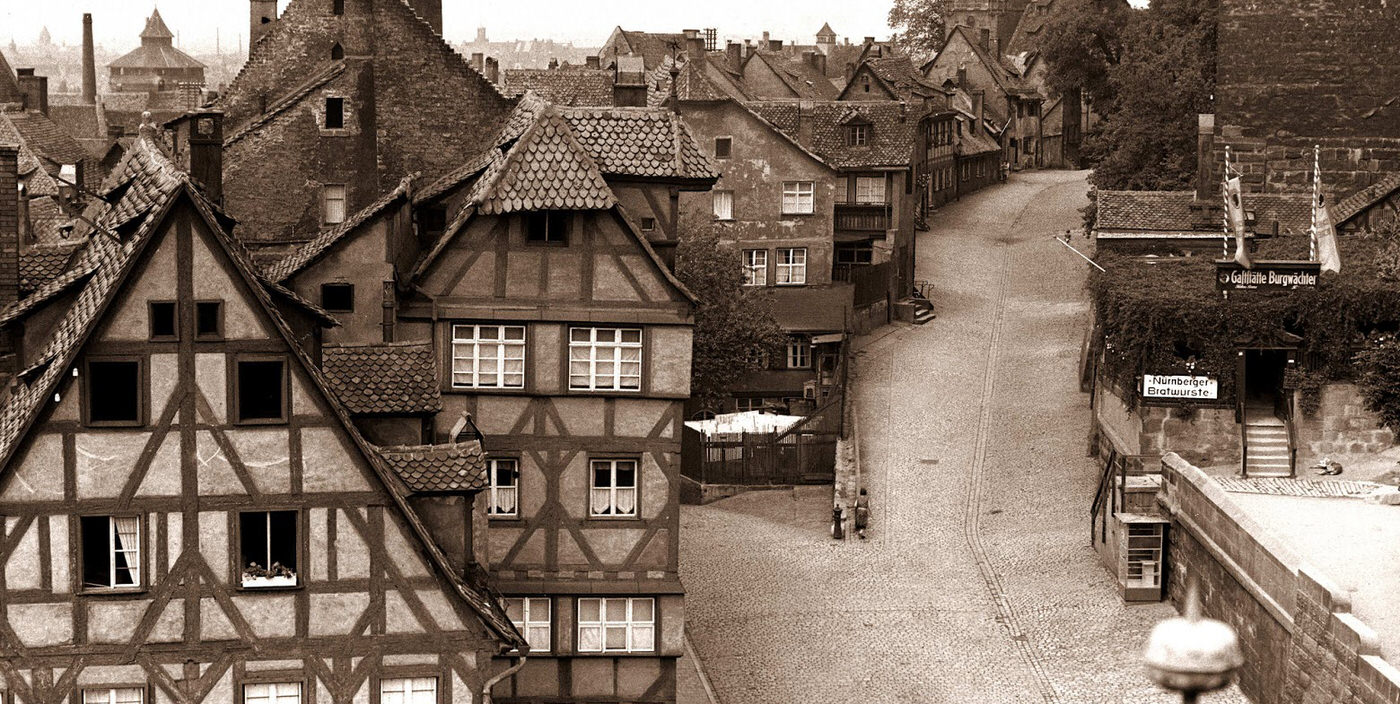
x=504, y=490
x=613, y=490
x=111, y=552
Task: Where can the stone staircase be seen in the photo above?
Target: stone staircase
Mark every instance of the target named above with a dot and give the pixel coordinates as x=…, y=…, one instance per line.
x=1267, y=437
x=914, y=309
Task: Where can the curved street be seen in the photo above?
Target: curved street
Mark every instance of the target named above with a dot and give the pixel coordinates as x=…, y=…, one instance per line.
x=977, y=583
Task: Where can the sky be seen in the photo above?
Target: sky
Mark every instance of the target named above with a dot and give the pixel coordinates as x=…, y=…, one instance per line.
x=117, y=23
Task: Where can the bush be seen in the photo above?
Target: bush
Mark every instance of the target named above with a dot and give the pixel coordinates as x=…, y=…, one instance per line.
x=1379, y=379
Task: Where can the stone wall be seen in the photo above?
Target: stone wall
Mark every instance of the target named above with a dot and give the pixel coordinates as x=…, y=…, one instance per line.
x=1294, y=74
x=1202, y=435
x=1300, y=641
x=1341, y=427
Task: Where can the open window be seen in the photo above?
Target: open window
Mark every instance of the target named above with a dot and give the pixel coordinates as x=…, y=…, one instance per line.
x=268, y=549
x=209, y=320
x=260, y=390
x=111, y=552
x=547, y=227
x=335, y=113
x=115, y=391
x=164, y=325
x=723, y=146
x=338, y=297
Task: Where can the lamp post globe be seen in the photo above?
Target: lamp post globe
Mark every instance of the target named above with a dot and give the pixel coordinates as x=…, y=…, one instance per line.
x=1192, y=654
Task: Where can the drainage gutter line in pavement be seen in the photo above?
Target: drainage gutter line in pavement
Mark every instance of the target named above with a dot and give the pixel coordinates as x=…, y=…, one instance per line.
x=689, y=648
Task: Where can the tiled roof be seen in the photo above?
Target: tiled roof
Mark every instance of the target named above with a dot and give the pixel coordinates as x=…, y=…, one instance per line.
x=9, y=85
x=812, y=308
x=578, y=86
x=48, y=141
x=692, y=83
x=893, y=126
x=155, y=27
x=639, y=142
x=47, y=291
x=652, y=47
x=453, y=178
x=305, y=255
x=1171, y=211
x=152, y=56
x=1348, y=208
x=39, y=265
x=546, y=170
x=383, y=379
x=902, y=77
x=79, y=121
x=1027, y=33
x=455, y=468
x=803, y=79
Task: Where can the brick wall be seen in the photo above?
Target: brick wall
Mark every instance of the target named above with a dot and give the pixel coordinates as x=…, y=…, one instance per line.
x=1294, y=74
x=1300, y=641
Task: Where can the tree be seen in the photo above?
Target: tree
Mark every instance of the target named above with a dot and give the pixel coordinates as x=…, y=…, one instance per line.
x=1081, y=43
x=1164, y=77
x=920, y=26
x=735, y=332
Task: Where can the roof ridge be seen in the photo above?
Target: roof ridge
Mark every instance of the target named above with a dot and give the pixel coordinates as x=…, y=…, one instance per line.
x=291, y=98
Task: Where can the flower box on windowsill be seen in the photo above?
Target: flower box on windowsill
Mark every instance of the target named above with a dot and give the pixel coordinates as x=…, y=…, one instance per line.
x=268, y=582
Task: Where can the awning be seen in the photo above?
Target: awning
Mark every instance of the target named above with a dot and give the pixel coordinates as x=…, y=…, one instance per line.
x=827, y=339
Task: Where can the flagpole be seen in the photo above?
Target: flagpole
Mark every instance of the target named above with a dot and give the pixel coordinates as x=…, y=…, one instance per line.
x=1317, y=192
x=1225, y=241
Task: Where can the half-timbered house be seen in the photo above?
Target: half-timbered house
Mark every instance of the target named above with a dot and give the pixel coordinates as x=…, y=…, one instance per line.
x=189, y=514
x=536, y=274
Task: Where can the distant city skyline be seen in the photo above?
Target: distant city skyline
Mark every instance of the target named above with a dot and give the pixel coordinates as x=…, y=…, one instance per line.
x=198, y=23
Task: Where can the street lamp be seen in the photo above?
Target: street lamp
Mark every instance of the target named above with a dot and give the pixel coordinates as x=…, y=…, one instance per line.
x=1192, y=654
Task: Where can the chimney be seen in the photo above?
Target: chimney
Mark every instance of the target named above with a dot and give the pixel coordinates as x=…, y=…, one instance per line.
x=985, y=39
x=199, y=149
x=962, y=77
x=775, y=44
x=553, y=63
x=9, y=230
x=765, y=39
x=748, y=48
x=1205, y=146
x=35, y=90
x=591, y=62
x=979, y=108
x=493, y=70
x=733, y=51
x=430, y=10
x=262, y=14
x=819, y=61
x=89, y=63
x=695, y=46
x=479, y=61
x=869, y=41
x=804, y=123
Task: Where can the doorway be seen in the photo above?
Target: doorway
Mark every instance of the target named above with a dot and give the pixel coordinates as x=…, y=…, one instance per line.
x=1263, y=381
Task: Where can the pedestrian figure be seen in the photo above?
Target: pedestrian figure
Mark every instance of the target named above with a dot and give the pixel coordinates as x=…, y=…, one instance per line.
x=862, y=514
x=838, y=528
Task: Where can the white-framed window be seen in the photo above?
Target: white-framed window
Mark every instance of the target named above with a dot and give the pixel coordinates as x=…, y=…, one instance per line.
x=531, y=616
x=870, y=189
x=724, y=204
x=268, y=549
x=792, y=266
x=408, y=690
x=860, y=134
x=272, y=693
x=115, y=695
x=488, y=356
x=111, y=552
x=799, y=353
x=333, y=203
x=503, y=494
x=755, y=267
x=605, y=359
x=617, y=625
x=797, y=197
x=612, y=488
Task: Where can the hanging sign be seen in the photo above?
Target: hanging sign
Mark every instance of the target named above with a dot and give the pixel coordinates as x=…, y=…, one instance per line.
x=1201, y=388
x=1266, y=275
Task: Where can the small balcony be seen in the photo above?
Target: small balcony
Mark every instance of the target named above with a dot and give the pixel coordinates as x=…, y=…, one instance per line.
x=863, y=217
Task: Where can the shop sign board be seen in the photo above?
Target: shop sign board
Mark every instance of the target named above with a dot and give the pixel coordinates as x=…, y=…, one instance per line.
x=1199, y=388
x=1266, y=276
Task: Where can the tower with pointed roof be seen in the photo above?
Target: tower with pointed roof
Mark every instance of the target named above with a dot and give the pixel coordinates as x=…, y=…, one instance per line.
x=826, y=38
x=156, y=65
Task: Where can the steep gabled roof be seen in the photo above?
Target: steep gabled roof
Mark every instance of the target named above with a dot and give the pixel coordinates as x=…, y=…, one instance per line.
x=1349, y=207
x=1002, y=75
x=145, y=186
x=308, y=253
x=692, y=82
x=155, y=27
x=46, y=138
x=803, y=79
x=652, y=47
x=390, y=378
x=1028, y=28
x=899, y=76
x=547, y=169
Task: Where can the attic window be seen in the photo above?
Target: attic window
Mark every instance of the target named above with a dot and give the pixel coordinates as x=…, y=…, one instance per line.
x=333, y=203
x=260, y=390
x=114, y=392
x=547, y=227
x=162, y=318
x=858, y=135
x=723, y=146
x=338, y=297
x=337, y=52
x=335, y=113
x=209, y=320
x=337, y=7
x=865, y=84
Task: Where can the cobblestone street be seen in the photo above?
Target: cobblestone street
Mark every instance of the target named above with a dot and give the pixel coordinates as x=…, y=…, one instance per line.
x=977, y=583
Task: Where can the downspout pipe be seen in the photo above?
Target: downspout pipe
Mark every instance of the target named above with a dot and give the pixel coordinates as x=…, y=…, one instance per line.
x=486, y=688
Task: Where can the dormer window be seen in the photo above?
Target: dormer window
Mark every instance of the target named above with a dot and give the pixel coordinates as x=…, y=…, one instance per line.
x=337, y=7
x=547, y=227
x=337, y=52
x=858, y=135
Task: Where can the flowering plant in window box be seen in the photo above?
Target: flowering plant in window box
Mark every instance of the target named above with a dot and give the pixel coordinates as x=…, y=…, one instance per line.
x=255, y=575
